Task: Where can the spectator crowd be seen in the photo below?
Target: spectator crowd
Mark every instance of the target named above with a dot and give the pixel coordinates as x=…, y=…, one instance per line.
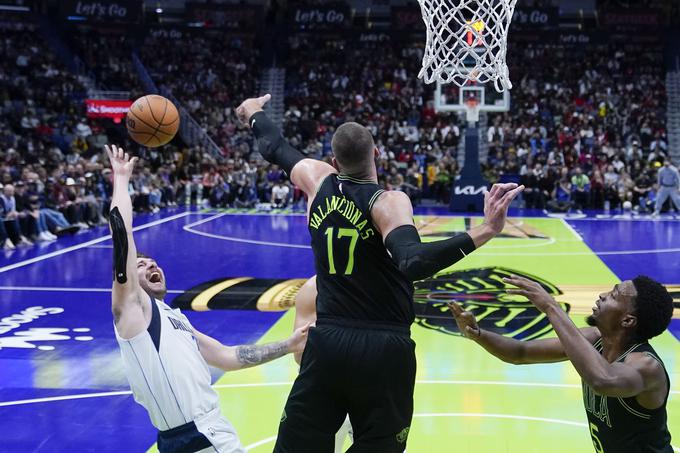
x=586, y=129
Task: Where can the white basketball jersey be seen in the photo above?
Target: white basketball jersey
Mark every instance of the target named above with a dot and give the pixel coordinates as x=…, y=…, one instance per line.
x=166, y=371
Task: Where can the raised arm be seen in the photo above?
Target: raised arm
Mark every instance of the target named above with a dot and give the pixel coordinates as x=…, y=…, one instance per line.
x=392, y=214
x=231, y=358
x=513, y=351
x=638, y=374
x=307, y=174
x=129, y=304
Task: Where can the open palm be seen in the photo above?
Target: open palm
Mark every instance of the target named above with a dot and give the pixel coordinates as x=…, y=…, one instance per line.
x=121, y=163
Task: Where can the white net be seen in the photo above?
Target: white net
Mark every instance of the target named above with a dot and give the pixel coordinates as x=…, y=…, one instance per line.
x=467, y=41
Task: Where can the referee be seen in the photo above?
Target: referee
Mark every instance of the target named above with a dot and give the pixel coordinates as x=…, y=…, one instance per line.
x=360, y=359
x=669, y=183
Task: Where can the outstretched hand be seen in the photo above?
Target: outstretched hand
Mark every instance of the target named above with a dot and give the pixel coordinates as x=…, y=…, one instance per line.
x=467, y=323
x=121, y=163
x=532, y=290
x=298, y=340
x=496, y=202
x=251, y=106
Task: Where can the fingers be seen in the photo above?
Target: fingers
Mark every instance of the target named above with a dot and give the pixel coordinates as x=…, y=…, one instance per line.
x=456, y=309
x=493, y=192
x=262, y=100
x=510, y=195
x=518, y=281
x=499, y=190
x=134, y=160
x=519, y=292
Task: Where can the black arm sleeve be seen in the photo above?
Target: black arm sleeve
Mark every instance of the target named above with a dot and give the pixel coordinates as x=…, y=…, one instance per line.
x=418, y=260
x=271, y=144
x=120, y=246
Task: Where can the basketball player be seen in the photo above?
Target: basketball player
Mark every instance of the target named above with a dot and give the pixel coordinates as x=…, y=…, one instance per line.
x=305, y=313
x=625, y=383
x=360, y=359
x=165, y=358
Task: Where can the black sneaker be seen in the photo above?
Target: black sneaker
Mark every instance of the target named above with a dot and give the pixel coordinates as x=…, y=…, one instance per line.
x=71, y=229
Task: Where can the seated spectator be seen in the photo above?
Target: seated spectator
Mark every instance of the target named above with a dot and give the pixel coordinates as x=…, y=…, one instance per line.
x=561, y=196
x=580, y=189
x=280, y=193
x=10, y=217
x=641, y=193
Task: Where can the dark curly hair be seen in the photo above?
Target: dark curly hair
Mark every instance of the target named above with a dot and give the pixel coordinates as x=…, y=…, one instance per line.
x=653, y=307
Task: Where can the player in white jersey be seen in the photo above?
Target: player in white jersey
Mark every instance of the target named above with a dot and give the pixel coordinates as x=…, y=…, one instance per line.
x=165, y=358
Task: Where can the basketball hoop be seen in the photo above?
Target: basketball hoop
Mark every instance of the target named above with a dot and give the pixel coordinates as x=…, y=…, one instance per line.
x=464, y=38
x=472, y=110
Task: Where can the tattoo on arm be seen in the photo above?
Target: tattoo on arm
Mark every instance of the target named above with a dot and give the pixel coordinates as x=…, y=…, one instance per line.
x=254, y=354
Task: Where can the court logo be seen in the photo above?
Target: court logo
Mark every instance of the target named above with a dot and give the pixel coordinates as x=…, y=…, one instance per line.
x=479, y=290
x=483, y=292
x=36, y=337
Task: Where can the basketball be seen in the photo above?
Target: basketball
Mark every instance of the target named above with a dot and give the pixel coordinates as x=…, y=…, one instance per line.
x=152, y=121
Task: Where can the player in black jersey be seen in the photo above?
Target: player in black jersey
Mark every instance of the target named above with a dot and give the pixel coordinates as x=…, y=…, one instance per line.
x=360, y=359
x=625, y=383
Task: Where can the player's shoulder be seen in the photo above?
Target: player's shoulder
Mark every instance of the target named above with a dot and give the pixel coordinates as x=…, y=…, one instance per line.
x=649, y=366
x=644, y=360
x=392, y=197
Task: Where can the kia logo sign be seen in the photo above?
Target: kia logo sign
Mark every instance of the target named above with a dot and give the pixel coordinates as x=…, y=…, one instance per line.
x=469, y=190
x=105, y=108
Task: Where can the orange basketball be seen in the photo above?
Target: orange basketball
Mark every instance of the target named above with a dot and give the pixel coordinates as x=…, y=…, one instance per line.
x=152, y=121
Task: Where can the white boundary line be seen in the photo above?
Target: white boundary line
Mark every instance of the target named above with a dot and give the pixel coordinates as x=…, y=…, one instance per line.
x=506, y=416
x=516, y=215
x=87, y=244
x=555, y=421
x=68, y=289
x=572, y=230
x=261, y=442
x=288, y=383
x=189, y=229
x=593, y=252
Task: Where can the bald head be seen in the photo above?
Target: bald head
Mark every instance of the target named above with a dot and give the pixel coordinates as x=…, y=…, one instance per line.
x=353, y=148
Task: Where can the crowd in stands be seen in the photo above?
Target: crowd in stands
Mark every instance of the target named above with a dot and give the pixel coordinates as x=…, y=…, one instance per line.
x=587, y=127
x=374, y=83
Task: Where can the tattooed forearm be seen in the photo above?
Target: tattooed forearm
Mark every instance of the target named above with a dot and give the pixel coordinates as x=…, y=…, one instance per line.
x=254, y=354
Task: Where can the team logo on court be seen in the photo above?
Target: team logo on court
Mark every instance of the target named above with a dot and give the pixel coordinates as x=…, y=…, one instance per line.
x=481, y=291
x=484, y=293
x=36, y=337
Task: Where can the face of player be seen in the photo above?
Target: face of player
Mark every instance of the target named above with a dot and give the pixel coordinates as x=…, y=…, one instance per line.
x=151, y=277
x=615, y=309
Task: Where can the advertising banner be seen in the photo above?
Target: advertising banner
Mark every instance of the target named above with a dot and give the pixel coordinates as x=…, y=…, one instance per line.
x=120, y=11
x=106, y=108
x=320, y=17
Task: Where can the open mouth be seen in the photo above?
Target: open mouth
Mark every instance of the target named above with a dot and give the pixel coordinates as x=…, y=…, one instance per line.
x=155, y=277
